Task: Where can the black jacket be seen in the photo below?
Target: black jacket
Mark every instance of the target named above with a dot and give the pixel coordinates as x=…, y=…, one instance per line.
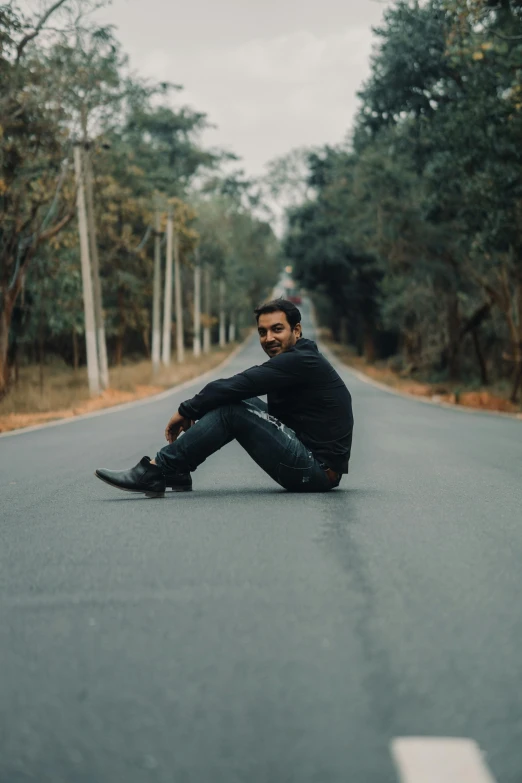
x=304, y=392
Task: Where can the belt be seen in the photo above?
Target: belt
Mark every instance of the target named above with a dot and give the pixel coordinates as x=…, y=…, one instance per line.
x=332, y=475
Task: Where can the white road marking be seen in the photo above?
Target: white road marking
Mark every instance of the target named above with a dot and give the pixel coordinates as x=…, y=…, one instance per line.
x=439, y=760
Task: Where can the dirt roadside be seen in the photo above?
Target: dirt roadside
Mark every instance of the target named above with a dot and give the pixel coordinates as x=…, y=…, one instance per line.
x=134, y=382
x=484, y=399
x=66, y=395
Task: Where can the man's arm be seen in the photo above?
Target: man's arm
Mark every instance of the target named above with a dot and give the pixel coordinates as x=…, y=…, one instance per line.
x=277, y=373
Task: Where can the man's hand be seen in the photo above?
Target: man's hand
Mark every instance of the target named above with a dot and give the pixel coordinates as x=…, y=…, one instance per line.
x=177, y=424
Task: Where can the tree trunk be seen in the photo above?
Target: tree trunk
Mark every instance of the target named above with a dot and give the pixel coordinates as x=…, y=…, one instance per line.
x=359, y=336
x=515, y=331
x=121, y=328
x=41, y=360
x=366, y=329
x=208, y=315
x=95, y=269
x=517, y=375
x=4, y=343
x=167, y=306
x=5, y=323
x=517, y=382
x=91, y=347
x=75, y=350
x=146, y=342
x=9, y=294
x=178, y=299
x=222, y=317
x=197, y=307
x=16, y=366
x=343, y=330
x=119, y=348
x=232, y=330
x=475, y=320
x=480, y=358
x=453, y=338
x=156, y=296
x=369, y=342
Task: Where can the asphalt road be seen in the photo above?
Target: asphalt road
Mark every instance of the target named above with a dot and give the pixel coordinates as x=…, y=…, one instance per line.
x=241, y=634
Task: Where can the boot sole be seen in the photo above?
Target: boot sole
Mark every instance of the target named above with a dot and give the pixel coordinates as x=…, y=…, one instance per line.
x=125, y=489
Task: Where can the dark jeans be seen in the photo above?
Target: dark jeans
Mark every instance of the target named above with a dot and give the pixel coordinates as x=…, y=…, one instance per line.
x=275, y=447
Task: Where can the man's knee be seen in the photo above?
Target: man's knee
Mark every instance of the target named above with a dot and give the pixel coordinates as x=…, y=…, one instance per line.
x=237, y=415
x=227, y=412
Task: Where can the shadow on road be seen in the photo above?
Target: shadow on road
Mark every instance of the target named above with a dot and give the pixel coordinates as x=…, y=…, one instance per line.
x=341, y=493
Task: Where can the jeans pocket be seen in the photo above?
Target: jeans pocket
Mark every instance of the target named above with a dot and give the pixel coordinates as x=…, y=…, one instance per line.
x=294, y=479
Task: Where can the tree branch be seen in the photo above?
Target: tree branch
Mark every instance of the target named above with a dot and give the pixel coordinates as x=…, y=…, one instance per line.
x=29, y=37
x=506, y=37
x=56, y=228
x=16, y=284
x=480, y=314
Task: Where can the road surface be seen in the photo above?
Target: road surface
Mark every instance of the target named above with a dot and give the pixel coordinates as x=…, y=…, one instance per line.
x=242, y=634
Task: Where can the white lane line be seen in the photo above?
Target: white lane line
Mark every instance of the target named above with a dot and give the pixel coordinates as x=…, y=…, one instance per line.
x=439, y=760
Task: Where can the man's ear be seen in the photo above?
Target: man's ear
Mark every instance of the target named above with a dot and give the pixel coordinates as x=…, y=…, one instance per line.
x=298, y=329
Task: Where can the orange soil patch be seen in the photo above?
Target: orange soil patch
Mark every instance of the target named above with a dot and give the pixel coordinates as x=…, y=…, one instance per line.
x=487, y=401
x=108, y=398
x=482, y=399
x=135, y=380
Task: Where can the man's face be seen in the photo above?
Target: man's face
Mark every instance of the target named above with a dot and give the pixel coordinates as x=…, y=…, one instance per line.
x=275, y=333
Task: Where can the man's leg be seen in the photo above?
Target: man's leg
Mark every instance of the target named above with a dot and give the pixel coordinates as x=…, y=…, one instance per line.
x=275, y=447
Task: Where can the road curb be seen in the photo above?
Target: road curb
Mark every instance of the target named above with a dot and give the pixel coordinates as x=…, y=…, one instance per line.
x=440, y=404
x=425, y=401
x=134, y=403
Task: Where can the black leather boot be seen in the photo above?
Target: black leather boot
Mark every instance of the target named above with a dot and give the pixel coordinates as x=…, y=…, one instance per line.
x=143, y=477
x=179, y=482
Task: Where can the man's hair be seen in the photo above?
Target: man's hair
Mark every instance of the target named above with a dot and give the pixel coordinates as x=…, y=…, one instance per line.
x=293, y=316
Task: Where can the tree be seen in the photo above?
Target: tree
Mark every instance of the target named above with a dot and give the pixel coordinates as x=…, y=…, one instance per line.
x=36, y=194
x=443, y=78
x=328, y=256
x=68, y=80
x=429, y=193
x=239, y=248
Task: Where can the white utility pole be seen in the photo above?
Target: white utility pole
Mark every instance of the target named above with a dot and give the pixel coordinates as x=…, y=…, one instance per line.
x=232, y=330
x=96, y=282
x=197, y=306
x=222, y=324
x=156, y=296
x=180, y=345
x=88, y=304
x=167, y=308
x=206, y=328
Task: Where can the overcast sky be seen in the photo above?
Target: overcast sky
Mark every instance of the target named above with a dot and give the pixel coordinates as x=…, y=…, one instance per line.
x=271, y=74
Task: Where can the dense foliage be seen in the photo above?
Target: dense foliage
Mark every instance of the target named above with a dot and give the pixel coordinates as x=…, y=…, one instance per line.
x=64, y=79
x=412, y=237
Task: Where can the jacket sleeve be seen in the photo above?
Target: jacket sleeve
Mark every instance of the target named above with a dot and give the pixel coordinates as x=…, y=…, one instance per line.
x=276, y=373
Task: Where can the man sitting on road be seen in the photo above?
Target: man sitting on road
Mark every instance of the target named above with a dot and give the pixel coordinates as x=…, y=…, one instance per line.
x=302, y=438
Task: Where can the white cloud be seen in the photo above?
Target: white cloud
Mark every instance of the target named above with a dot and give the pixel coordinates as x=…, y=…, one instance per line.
x=267, y=94
x=270, y=95
x=301, y=57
